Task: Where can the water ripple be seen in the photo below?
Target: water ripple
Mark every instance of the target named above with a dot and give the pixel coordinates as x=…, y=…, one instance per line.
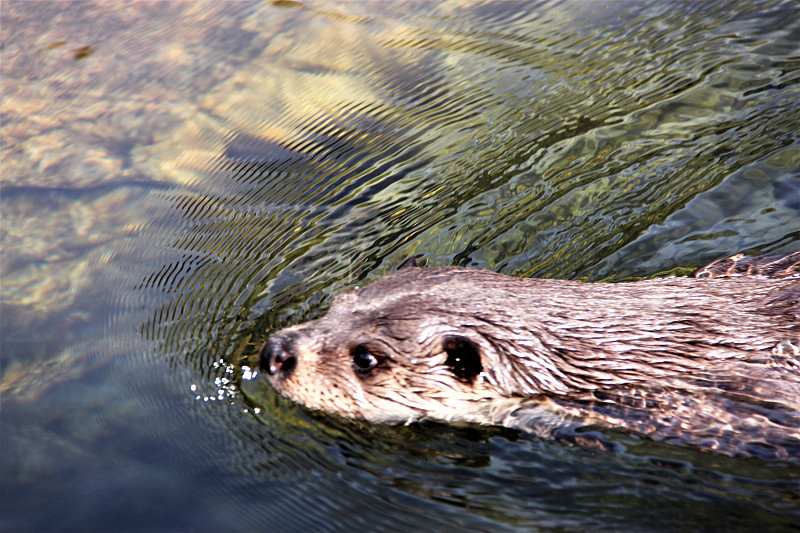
x=543, y=139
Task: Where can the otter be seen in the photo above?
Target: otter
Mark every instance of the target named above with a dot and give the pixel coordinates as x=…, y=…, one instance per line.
x=711, y=360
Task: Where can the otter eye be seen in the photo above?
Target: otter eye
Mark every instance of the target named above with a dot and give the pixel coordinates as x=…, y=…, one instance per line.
x=363, y=359
x=463, y=358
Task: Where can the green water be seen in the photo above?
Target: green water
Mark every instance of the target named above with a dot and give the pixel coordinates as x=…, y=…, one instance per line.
x=204, y=174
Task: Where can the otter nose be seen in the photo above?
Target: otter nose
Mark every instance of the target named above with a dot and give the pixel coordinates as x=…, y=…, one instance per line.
x=276, y=356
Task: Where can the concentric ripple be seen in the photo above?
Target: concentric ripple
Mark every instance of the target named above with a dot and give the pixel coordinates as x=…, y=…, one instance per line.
x=577, y=140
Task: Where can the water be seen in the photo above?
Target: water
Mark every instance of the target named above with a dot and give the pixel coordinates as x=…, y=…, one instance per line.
x=180, y=179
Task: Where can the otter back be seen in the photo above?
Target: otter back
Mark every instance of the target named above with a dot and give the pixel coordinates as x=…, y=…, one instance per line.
x=711, y=361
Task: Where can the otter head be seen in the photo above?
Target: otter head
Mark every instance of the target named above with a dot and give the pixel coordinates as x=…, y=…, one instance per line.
x=691, y=360
x=406, y=347
x=443, y=343
x=465, y=344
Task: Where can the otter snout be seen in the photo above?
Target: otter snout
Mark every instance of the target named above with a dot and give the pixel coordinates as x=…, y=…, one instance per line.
x=278, y=356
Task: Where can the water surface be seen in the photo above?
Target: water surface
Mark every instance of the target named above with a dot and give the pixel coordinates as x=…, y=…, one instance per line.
x=181, y=179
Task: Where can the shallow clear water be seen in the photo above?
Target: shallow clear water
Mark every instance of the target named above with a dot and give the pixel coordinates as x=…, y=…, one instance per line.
x=192, y=177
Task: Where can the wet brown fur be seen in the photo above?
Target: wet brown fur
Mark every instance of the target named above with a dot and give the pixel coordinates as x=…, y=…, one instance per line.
x=713, y=363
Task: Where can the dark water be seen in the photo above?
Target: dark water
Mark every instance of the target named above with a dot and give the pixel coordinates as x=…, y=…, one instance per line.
x=302, y=149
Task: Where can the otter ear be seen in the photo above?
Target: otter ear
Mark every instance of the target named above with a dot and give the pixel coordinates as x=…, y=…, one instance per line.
x=463, y=358
x=411, y=262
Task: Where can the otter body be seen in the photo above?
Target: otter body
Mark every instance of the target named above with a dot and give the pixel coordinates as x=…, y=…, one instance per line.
x=713, y=363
